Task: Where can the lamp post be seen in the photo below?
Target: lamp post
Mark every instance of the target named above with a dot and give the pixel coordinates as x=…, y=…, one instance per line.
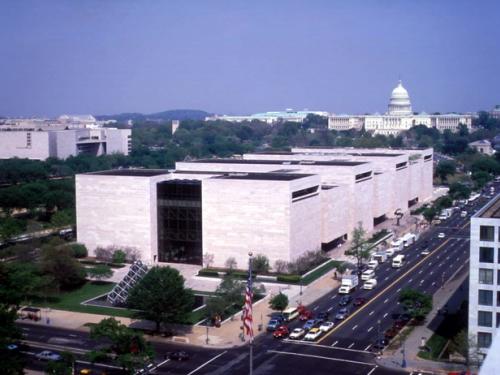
x=403, y=362
x=207, y=340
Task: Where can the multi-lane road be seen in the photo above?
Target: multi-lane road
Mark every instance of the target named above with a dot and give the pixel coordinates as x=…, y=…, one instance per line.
x=347, y=348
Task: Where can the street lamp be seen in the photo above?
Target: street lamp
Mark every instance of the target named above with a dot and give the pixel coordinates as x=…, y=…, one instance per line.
x=207, y=340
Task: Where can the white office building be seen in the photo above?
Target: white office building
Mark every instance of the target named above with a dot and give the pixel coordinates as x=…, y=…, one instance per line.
x=278, y=204
x=484, y=275
x=399, y=117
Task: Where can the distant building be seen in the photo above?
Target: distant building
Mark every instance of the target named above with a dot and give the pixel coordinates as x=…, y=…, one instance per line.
x=60, y=138
x=495, y=112
x=483, y=147
x=484, y=275
x=270, y=117
x=399, y=117
x=175, y=125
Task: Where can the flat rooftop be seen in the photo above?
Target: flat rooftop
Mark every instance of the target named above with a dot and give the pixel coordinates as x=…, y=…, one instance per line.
x=264, y=176
x=343, y=163
x=132, y=172
x=491, y=210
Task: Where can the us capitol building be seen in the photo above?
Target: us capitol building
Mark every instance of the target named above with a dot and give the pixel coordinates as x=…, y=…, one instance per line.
x=399, y=117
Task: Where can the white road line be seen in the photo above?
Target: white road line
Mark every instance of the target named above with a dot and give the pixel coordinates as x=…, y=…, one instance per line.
x=419, y=272
x=350, y=346
x=385, y=315
x=368, y=347
x=422, y=281
x=387, y=278
x=386, y=300
x=315, y=308
x=335, y=343
x=320, y=357
x=334, y=296
x=162, y=363
x=330, y=309
x=98, y=364
x=430, y=263
x=399, y=290
x=207, y=362
x=371, y=371
x=434, y=283
x=371, y=313
x=431, y=272
x=369, y=329
x=409, y=281
x=72, y=335
x=356, y=326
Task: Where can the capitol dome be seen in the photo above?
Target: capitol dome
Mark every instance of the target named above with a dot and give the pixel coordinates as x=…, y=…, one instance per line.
x=399, y=103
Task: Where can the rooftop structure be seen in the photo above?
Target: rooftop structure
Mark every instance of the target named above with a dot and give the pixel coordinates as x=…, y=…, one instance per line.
x=270, y=117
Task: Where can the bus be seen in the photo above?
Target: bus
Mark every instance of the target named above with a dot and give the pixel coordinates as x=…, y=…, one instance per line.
x=290, y=314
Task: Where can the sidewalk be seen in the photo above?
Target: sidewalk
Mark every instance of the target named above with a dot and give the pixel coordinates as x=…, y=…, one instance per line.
x=413, y=342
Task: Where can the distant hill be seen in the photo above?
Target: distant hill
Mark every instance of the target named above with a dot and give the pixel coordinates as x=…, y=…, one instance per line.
x=174, y=114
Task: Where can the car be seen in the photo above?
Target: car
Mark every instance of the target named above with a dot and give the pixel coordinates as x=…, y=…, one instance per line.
x=342, y=313
x=359, y=301
x=273, y=324
x=425, y=252
x=345, y=300
x=313, y=334
x=372, y=264
x=281, y=332
x=86, y=371
x=309, y=324
x=179, y=355
x=441, y=235
x=48, y=355
x=326, y=326
x=370, y=284
x=306, y=315
x=297, y=333
x=12, y=347
x=324, y=315
x=368, y=274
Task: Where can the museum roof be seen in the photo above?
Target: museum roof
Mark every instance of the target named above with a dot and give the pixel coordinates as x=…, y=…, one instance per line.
x=283, y=162
x=263, y=176
x=132, y=172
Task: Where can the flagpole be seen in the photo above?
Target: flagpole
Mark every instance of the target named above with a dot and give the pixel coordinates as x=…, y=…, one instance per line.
x=251, y=337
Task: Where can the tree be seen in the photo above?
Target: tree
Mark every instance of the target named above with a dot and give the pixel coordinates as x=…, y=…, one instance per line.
x=63, y=367
x=429, y=214
x=260, y=264
x=129, y=346
x=208, y=259
x=119, y=256
x=100, y=272
x=459, y=191
x=466, y=346
x=62, y=218
x=11, y=362
x=341, y=268
x=445, y=168
x=58, y=262
x=416, y=303
x=279, y=302
x=480, y=179
x=78, y=250
x=280, y=266
x=358, y=248
x=161, y=297
x=231, y=264
x=10, y=227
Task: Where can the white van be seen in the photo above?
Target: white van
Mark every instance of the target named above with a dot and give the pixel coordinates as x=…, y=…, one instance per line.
x=372, y=264
x=370, y=284
x=398, y=261
x=389, y=252
x=367, y=275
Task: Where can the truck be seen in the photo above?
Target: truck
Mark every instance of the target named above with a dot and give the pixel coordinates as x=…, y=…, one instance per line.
x=408, y=239
x=380, y=256
x=348, y=284
x=390, y=252
x=397, y=244
x=398, y=261
x=445, y=214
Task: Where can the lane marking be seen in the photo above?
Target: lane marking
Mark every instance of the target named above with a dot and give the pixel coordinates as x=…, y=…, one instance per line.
x=330, y=309
x=369, y=329
x=98, y=364
x=162, y=363
x=350, y=346
x=386, y=300
x=356, y=326
x=419, y=272
x=373, y=369
x=368, y=347
x=387, y=278
x=385, y=315
x=334, y=296
x=409, y=281
x=320, y=357
x=315, y=308
x=206, y=363
x=371, y=313
x=399, y=290
x=335, y=343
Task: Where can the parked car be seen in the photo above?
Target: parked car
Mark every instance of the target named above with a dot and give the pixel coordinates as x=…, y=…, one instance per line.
x=297, y=333
x=313, y=334
x=390, y=333
x=359, y=301
x=342, y=313
x=345, y=300
x=48, y=355
x=309, y=324
x=179, y=355
x=326, y=326
x=281, y=332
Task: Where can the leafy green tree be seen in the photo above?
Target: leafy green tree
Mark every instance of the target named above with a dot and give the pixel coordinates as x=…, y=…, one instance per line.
x=465, y=345
x=11, y=363
x=161, y=297
x=100, y=272
x=341, y=269
x=445, y=168
x=429, y=214
x=279, y=302
x=260, y=264
x=416, y=303
x=480, y=179
x=63, y=218
x=10, y=227
x=358, y=248
x=459, y=191
x=78, y=250
x=119, y=256
x=131, y=350
x=66, y=366
x=59, y=263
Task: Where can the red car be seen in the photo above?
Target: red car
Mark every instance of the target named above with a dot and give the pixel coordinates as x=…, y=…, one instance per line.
x=360, y=301
x=281, y=332
x=306, y=315
x=390, y=333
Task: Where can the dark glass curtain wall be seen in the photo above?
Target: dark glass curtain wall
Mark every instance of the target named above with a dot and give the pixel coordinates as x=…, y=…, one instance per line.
x=179, y=221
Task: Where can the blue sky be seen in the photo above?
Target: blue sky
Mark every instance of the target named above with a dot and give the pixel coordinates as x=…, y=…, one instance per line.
x=106, y=56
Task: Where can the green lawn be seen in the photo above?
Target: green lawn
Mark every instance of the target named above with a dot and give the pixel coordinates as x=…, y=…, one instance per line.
x=320, y=272
x=436, y=344
x=71, y=301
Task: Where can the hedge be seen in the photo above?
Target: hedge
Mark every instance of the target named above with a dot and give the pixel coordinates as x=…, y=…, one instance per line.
x=289, y=278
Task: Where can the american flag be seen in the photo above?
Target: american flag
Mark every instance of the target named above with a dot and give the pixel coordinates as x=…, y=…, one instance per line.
x=247, y=309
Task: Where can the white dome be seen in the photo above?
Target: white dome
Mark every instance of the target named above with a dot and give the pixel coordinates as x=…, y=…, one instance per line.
x=399, y=103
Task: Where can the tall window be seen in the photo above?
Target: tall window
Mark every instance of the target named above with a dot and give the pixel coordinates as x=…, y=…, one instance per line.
x=485, y=297
x=486, y=254
x=498, y=277
x=486, y=233
x=484, y=318
x=483, y=339
x=498, y=298
x=485, y=276
x=498, y=320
